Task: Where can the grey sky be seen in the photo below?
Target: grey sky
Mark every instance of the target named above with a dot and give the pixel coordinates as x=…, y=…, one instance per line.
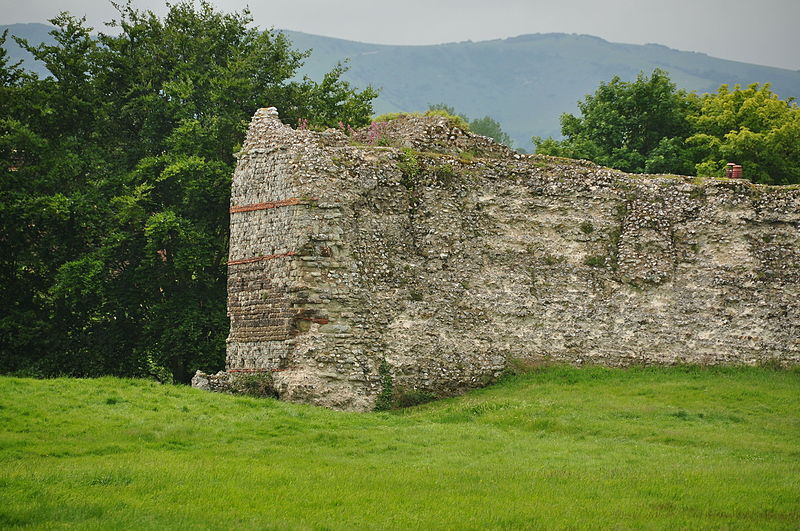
x=763, y=32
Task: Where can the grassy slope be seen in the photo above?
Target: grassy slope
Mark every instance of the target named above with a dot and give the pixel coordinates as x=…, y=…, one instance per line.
x=561, y=447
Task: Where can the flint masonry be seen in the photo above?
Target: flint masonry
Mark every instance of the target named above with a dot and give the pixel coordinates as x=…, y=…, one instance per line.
x=419, y=254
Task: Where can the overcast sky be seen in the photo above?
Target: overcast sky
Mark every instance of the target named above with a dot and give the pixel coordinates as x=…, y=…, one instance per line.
x=755, y=31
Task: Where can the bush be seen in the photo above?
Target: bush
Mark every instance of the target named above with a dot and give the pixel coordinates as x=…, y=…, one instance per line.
x=409, y=166
x=389, y=116
x=453, y=120
x=259, y=384
x=384, y=401
x=412, y=397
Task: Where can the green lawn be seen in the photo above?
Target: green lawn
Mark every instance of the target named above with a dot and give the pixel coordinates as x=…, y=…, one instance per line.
x=659, y=448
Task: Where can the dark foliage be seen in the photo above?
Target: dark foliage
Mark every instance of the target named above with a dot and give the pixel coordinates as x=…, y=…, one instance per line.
x=116, y=180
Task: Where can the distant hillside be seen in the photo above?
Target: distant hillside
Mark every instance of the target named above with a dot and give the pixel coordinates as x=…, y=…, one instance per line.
x=525, y=82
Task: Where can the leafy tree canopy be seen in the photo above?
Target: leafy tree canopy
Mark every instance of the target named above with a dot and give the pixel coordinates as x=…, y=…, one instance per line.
x=116, y=181
x=752, y=127
x=649, y=126
x=628, y=125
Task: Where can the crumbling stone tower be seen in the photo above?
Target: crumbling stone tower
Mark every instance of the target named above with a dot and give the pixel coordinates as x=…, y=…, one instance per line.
x=414, y=257
x=289, y=294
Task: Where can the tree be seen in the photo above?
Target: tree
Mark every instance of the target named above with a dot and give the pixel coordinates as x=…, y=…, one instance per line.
x=648, y=126
x=751, y=127
x=634, y=126
x=48, y=211
x=486, y=126
x=447, y=109
x=116, y=173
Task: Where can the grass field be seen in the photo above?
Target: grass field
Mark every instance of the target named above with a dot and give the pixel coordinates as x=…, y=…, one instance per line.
x=659, y=448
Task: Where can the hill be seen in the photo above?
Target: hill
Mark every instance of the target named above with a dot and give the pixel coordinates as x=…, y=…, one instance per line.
x=525, y=82
x=556, y=448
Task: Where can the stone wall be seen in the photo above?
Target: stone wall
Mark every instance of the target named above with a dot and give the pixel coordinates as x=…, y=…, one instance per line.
x=435, y=258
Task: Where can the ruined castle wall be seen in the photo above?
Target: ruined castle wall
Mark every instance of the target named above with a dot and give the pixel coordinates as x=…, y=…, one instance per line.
x=436, y=267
